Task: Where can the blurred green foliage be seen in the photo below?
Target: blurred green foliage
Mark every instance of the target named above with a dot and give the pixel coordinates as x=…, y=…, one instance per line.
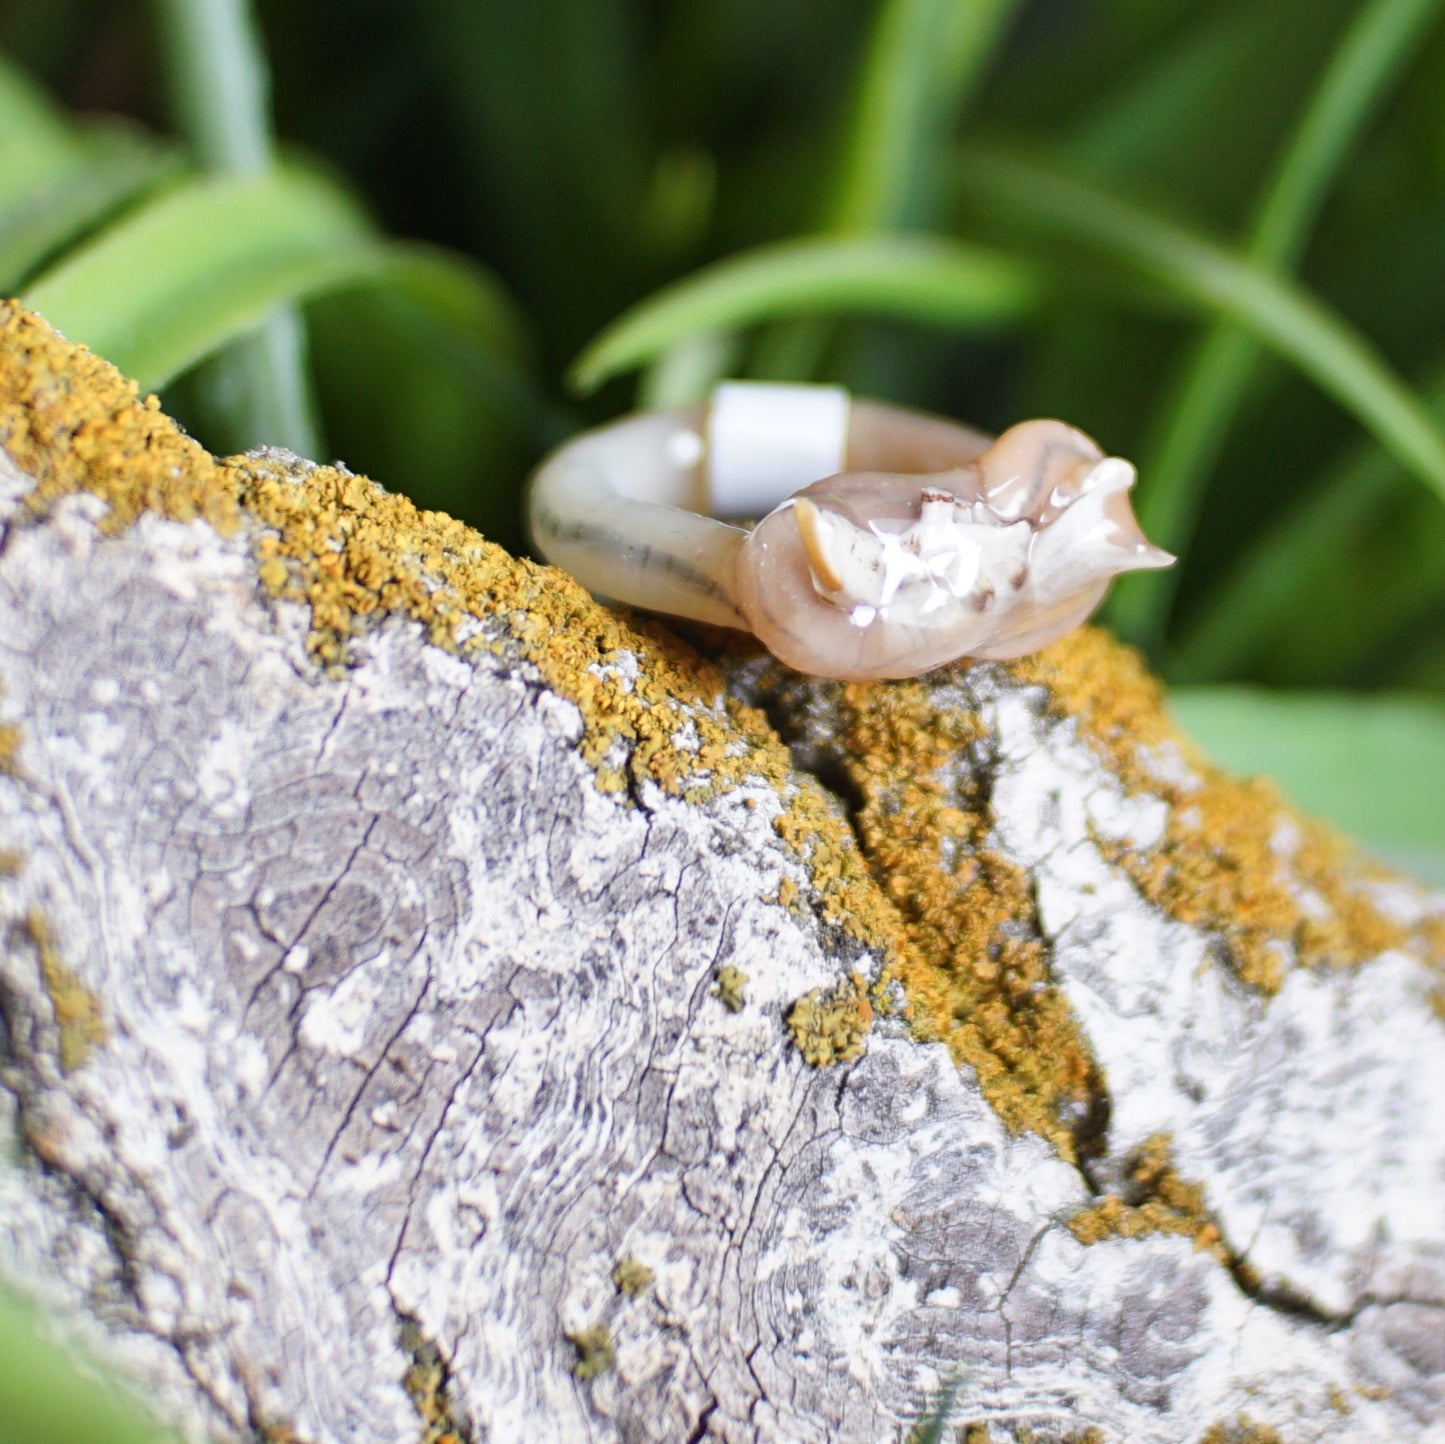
x=48, y=1396
x=1209, y=232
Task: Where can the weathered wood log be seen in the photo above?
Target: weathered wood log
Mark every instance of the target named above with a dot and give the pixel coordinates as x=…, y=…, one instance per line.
x=432, y=1006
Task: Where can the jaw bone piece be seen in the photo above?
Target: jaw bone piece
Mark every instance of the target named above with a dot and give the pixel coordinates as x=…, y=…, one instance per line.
x=887, y=575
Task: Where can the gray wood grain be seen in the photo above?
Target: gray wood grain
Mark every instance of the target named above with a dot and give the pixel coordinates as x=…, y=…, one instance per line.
x=410, y=1031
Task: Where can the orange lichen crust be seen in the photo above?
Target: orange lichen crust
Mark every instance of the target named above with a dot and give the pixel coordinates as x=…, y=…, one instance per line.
x=1275, y=886
x=9, y=746
x=1157, y=1200
x=954, y=920
x=631, y=1277
x=596, y=1352
x=729, y=987
x=1428, y=938
x=973, y=967
x=352, y=552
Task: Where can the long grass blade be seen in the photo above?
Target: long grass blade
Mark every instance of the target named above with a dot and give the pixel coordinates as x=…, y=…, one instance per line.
x=1242, y=615
x=922, y=61
x=1302, y=329
x=172, y=281
x=36, y=140
x=550, y=104
x=202, y=263
x=218, y=82
x=919, y=278
x=1238, y=621
x=1368, y=60
x=1149, y=112
x=57, y=179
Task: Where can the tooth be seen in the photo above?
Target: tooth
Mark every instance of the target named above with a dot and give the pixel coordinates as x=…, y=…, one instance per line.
x=810, y=531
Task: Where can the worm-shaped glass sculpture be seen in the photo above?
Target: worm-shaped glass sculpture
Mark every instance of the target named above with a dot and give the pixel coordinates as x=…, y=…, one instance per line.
x=893, y=543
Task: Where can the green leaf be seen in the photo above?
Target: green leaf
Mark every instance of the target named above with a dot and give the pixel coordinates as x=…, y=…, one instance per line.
x=1147, y=119
x=175, y=279
x=549, y=108
x=36, y=140
x=458, y=292
x=58, y=178
x=219, y=82
x=688, y=371
x=110, y=167
x=188, y=270
x=45, y=1398
x=1367, y=60
x=1243, y=614
x=1374, y=766
x=1284, y=316
x=428, y=408
x=922, y=60
x=919, y=278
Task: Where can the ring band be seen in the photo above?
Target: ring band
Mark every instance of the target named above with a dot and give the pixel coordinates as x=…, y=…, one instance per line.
x=891, y=542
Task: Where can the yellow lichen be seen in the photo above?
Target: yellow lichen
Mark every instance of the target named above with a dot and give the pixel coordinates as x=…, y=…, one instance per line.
x=970, y=960
x=979, y=1433
x=77, y=1010
x=954, y=920
x=1158, y=1201
x=1428, y=937
x=829, y=1025
x=595, y=1351
x=1242, y=1431
x=1235, y=859
x=426, y=1383
x=631, y=1277
x=729, y=987
x=9, y=746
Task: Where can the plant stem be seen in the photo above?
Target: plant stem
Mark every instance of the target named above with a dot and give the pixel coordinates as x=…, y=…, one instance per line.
x=924, y=59
x=220, y=92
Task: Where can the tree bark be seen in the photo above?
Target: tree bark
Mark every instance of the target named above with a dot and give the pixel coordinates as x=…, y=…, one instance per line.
x=405, y=1020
